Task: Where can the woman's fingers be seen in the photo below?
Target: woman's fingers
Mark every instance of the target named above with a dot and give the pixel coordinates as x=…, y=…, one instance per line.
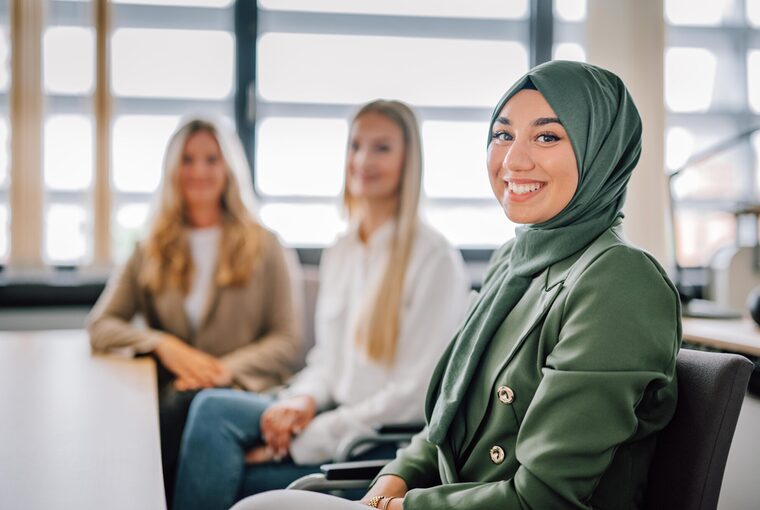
x=270, y=426
x=281, y=421
x=195, y=368
x=258, y=455
x=203, y=367
x=279, y=443
x=222, y=380
x=302, y=419
x=277, y=428
x=187, y=384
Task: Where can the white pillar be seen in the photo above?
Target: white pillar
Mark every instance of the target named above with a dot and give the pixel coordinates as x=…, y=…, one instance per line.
x=628, y=38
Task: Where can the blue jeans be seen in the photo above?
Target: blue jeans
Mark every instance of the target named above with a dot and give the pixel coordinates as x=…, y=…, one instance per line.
x=173, y=407
x=222, y=425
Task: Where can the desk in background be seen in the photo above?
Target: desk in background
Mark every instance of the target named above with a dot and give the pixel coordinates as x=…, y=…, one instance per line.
x=734, y=335
x=77, y=431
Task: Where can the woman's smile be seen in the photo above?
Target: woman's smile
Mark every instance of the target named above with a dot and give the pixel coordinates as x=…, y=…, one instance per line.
x=522, y=190
x=531, y=163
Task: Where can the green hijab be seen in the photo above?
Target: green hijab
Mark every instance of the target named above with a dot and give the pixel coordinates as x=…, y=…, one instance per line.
x=604, y=128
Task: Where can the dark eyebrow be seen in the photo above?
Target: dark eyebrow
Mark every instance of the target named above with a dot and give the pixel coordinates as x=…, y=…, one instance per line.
x=542, y=121
x=546, y=120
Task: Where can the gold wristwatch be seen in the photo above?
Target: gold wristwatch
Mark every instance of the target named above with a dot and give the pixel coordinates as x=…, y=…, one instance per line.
x=374, y=501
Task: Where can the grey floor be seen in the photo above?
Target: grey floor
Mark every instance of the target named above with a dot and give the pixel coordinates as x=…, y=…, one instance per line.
x=741, y=482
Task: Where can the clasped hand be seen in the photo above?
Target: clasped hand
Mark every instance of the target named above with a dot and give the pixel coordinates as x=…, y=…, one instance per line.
x=194, y=368
x=279, y=423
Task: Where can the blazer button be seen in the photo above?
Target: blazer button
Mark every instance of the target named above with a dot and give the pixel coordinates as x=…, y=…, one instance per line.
x=497, y=454
x=506, y=395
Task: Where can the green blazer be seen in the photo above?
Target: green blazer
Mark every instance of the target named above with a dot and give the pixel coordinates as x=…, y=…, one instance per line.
x=565, y=405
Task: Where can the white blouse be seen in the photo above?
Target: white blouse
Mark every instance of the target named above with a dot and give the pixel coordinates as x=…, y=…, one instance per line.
x=366, y=394
x=204, y=248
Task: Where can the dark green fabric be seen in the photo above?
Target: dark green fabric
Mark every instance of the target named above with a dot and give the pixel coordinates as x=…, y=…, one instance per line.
x=604, y=128
x=589, y=352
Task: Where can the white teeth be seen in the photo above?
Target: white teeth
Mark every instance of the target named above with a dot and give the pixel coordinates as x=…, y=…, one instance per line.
x=521, y=189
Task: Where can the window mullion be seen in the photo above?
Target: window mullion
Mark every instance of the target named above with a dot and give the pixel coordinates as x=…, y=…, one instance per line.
x=541, y=31
x=26, y=107
x=102, y=108
x=246, y=32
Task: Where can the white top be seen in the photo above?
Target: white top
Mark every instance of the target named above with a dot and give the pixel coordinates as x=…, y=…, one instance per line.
x=204, y=248
x=339, y=374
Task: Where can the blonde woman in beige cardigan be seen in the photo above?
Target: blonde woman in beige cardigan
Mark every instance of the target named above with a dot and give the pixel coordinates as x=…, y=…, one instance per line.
x=211, y=284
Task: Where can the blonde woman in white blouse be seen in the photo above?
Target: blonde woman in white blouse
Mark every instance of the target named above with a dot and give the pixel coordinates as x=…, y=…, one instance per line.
x=392, y=292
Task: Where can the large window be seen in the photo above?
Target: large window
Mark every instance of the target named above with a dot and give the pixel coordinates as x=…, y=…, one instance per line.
x=712, y=92
x=569, y=30
x=68, y=77
x=169, y=59
x=317, y=61
x=164, y=59
x=117, y=77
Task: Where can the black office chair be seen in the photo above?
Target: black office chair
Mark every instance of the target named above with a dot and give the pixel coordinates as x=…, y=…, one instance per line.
x=687, y=469
x=690, y=457
x=396, y=434
x=352, y=473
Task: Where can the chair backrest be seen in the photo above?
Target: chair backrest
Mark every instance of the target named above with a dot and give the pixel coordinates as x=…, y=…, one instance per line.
x=690, y=457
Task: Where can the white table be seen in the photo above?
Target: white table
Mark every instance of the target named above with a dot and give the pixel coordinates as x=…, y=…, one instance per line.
x=735, y=335
x=77, y=431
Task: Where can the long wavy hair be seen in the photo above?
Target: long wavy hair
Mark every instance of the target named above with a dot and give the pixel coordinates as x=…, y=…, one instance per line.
x=168, y=262
x=380, y=316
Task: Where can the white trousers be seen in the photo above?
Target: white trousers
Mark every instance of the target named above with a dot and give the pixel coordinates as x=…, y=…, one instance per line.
x=296, y=500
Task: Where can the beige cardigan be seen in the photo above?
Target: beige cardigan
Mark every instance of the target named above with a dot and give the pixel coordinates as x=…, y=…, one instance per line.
x=251, y=328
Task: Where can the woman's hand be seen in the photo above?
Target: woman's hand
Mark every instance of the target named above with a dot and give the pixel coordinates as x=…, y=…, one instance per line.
x=194, y=368
x=390, y=503
x=222, y=379
x=390, y=486
x=259, y=455
x=396, y=504
x=285, y=418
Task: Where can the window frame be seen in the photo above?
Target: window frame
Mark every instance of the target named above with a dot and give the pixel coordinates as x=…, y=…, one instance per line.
x=244, y=24
x=249, y=23
x=736, y=32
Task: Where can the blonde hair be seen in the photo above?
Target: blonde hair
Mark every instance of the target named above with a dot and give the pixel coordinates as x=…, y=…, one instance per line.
x=168, y=263
x=378, y=326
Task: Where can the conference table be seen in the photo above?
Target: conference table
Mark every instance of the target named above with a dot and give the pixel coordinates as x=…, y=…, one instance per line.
x=77, y=430
x=734, y=335
x=80, y=430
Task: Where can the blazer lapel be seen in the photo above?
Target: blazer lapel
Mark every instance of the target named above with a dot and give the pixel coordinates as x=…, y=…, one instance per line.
x=446, y=467
x=435, y=381
x=212, y=299
x=535, y=305
x=171, y=310
x=529, y=312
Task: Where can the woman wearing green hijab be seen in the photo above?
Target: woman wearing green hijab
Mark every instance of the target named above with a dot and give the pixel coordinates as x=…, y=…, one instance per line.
x=553, y=390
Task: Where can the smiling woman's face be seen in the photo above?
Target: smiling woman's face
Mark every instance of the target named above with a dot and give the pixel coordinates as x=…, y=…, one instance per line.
x=202, y=174
x=531, y=163
x=375, y=158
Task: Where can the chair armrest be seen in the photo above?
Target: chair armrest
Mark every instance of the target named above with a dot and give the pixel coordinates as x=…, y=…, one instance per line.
x=400, y=428
x=399, y=434
x=319, y=483
x=360, y=470
x=341, y=476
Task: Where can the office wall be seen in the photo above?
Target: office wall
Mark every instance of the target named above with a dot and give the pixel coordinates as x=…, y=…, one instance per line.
x=628, y=37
